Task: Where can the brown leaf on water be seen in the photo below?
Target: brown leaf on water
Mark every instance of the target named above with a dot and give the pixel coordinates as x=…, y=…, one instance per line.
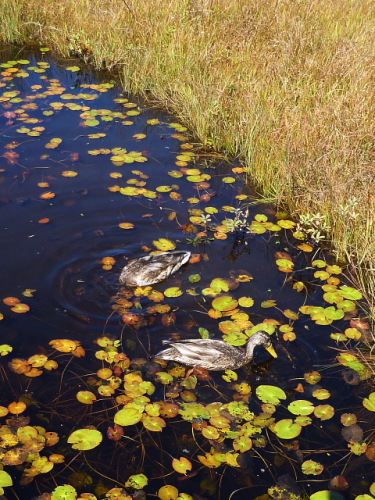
x=11, y=157
x=283, y=255
x=168, y=319
x=338, y=483
x=189, y=228
x=115, y=433
x=74, y=157
x=370, y=451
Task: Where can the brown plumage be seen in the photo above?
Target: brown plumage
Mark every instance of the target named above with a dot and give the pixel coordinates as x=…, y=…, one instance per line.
x=151, y=269
x=215, y=355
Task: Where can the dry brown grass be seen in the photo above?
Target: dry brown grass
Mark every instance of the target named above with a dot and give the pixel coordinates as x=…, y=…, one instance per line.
x=287, y=85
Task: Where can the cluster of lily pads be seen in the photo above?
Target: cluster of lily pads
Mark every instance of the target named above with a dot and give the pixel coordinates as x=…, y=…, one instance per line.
x=139, y=397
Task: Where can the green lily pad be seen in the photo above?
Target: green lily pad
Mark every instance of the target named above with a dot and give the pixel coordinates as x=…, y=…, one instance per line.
x=324, y=412
x=369, y=403
x=301, y=407
x=319, y=263
x=321, y=394
x=173, y=291
x=65, y=492
x=194, y=278
x=350, y=293
x=182, y=465
x=5, y=479
x=164, y=244
x=137, y=481
x=270, y=394
x=224, y=303
x=219, y=285
x=311, y=467
x=246, y=301
x=242, y=444
x=85, y=439
x=5, y=349
x=286, y=429
x=128, y=416
x=326, y=495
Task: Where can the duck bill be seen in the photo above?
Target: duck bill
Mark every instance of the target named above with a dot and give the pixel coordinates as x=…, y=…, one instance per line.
x=272, y=351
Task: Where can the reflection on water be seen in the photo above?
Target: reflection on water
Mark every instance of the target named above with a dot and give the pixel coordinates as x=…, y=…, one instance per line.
x=60, y=215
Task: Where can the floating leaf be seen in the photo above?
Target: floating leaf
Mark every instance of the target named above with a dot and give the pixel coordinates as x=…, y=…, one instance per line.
x=20, y=308
x=312, y=377
x=168, y=492
x=224, y=303
x=285, y=265
x=85, y=439
x=153, y=424
x=16, y=408
x=286, y=224
x=126, y=225
x=194, y=278
x=246, y=301
x=324, y=412
x=65, y=492
x=182, y=465
x=230, y=376
x=242, y=444
x=164, y=244
x=5, y=479
x=286, y=429
x=369, y=403
x=270, y=394
x=5, y=349
x=301, y=407
x=312, y=467
x=86, y=397
x=326, y=495
x=321, y=394
x=350, y=293
x=137, y=481
x=128, y=416
x=173, y=291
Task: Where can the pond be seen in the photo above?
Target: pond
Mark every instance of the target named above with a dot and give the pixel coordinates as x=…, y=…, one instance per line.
x=91, y=178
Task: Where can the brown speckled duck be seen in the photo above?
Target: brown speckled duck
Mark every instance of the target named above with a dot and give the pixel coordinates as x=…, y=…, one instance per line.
x=151, y=269
x=215, y=355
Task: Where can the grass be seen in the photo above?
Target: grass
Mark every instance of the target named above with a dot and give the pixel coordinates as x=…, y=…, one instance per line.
x=286, y=86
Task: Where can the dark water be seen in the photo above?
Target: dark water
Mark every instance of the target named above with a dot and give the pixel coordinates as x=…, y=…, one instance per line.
x=73, y=298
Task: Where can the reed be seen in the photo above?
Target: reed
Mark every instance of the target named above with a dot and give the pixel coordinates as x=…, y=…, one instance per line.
x=285, y=85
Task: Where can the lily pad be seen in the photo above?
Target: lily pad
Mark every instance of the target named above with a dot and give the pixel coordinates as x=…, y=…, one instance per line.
x=326, y=495
x=85, y=439
x=301, y=407
x=224, y=303
x=270, y=394
x=182, y=465
x=137, y=481
x=5, y=479
x=312, y=467
x=164, y=244
x=287, y=429
x=65, y=492
x=369, y=403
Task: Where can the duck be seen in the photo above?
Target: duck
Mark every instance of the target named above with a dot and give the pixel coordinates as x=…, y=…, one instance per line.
x=215, y=355
x=152, y=269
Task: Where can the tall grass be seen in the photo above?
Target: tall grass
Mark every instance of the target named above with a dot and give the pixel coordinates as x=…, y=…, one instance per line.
x=286, y=85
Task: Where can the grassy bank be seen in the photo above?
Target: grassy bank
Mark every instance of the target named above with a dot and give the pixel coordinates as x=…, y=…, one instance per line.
x=284, y=84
